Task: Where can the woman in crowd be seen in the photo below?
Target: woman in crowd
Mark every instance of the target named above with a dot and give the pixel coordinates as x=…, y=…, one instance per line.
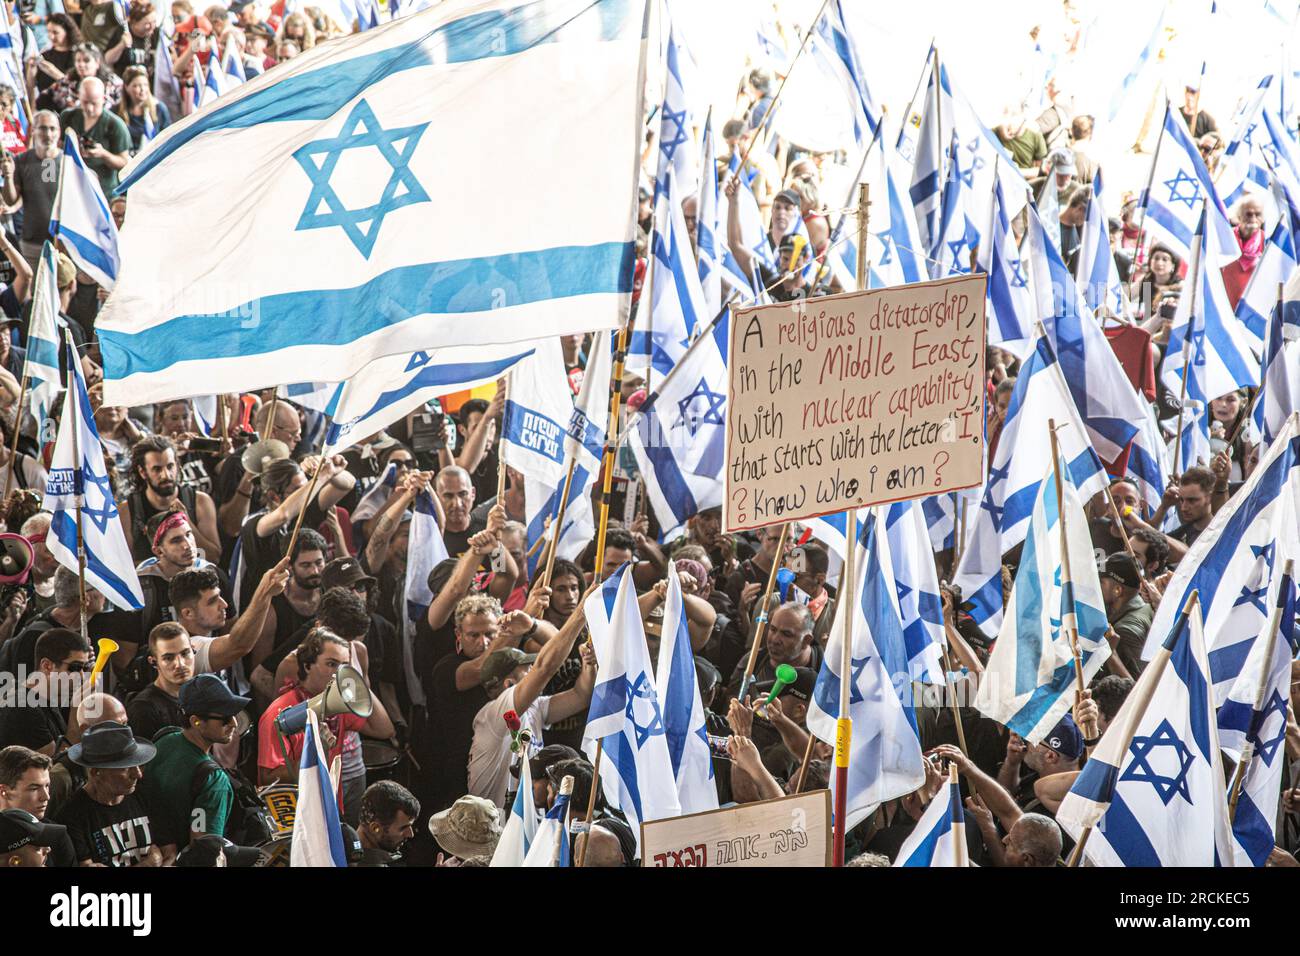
x=87, y=61
x=144, y=116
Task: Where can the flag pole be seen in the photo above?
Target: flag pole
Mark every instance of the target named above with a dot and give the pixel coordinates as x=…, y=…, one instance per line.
x=13, y=445
x=554, y=543
x=306, y=501
x=1261, y=691
x=1135, y=707
x=762, y=614
x=959, y=858
x=1069, y=620
x=844, y=723
x=803, y=765
x=70, y=402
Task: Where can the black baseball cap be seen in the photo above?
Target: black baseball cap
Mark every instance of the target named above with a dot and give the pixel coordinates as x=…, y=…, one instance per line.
x=789, y=197
x=203, y=851
x=18, y=828
x=343, y=573
x=1121, y=567
x=208, y=694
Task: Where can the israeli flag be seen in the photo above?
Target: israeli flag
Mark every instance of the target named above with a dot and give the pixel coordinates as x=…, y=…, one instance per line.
x=1277, y=264
x=1208, y=344
x=1029, y=682
x=1015, y=474
x=1112, y=409
x=754, y=236
x=958, y=236
x=424, y=550
x=78, y=479
x=940, y=834
x=385, y=390
x=1012, y=305
x=885, y=759
x=232, y=65
x=539, y=404
x=710, y=230
x=676, y=144
x=636, y=770
x=835, y=47
x=317, y=836
x=683, y=711
x=291, y=148
x=589, y=421
x=1049, y=211
x=1256, y=715
x=1243, y=167
x=542, y=505
x=215, y=84
x=1096, y=274
x=1153, y=790
x=520, y=831
x=1180, y=187
x=1145, y=55
x=42, y=364
x=373, y=501
x=1279, y=391
x=1149, y=464
x=81, y=221
x=550, y=845
x=920, y=607
x=1235, y=561
x=678, y=436
x=166, y=88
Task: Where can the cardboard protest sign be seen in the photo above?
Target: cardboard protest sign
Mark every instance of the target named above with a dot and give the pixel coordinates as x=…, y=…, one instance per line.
x=788, y=831
x=852, y=400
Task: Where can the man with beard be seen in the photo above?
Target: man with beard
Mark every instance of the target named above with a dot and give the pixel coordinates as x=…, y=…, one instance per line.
x=175, y=419
x=388, y=815
x=296, y=607
x=201, y=610
x=157, y=706
x=154, y=477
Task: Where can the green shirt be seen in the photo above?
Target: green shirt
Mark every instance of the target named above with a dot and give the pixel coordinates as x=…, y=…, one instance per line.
x=167, y=789
x=110, y=132
x=1027, y=149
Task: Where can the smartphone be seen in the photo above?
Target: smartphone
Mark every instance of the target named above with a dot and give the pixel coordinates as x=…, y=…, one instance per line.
x=207, y=446
x=427, y=432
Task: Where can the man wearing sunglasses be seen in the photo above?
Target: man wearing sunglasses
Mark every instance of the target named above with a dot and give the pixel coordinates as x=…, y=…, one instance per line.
x=36, y=717
x=187, y=792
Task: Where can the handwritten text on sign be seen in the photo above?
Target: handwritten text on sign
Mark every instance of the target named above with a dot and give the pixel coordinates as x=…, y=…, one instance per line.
x=851, y=400
x=787, y=831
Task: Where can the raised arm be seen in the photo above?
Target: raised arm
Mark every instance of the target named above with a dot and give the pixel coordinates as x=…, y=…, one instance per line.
x=228, y=648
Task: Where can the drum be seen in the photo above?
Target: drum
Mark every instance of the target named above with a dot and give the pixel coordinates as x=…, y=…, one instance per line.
x=383, y=761
x=276, y=853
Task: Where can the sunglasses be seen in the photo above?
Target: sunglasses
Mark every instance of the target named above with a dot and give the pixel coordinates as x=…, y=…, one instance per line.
x=221, y=717
x=78, y=667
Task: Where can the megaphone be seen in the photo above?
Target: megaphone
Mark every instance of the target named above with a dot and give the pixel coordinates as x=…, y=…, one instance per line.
x=16, y=558
x=347, y=693
x=261, y=453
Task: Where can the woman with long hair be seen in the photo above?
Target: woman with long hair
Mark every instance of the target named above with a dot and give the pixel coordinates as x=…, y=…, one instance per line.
x=48, y=68
x=87, y=61
x=144, y=116
x=298, y=28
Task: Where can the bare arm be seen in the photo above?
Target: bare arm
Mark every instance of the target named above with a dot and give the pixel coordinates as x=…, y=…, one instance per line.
x=509, y=630
x=567, y=703
x=735, y=238
x=745, y=758
x=484, y=431
x=461, y=577
x=1051, y=790
x=994, y=795
x=389, y=517
x=548, y=662
x=232, y=513
x=243, y=636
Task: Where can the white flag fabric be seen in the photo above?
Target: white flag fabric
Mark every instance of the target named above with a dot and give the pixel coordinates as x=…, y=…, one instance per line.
x=933, y=842
x=323, y=177
x=1029, y=682
x=521, y=826
x=550, y=845
x=1154, y=788
x=683, y=710
x=538, y=407
x=424, y=549
x=317, y=837
x=1279, y=387
x=78, y=476
x=81, y=220
x=636, y=771
x=885, y=753
x=42, y=367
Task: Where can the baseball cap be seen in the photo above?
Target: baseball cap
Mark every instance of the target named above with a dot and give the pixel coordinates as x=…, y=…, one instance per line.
x=1065, y=738
x=18, y=828
x=501, y=664
x=789, y=197
x=1063, y=161
x=1121, y=568
x=343, y=573
x=203, y=851
x=208, y=694
x=111, y=746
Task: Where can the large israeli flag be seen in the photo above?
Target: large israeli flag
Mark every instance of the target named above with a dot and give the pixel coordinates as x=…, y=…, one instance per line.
x=1180, y=187
x=317, y=838
x=1153, y=790
x=78, y=477
x=683, y=711
x=1279, y=389
x=636, y=770
x=678, y=437
x=1029, y=682
x=326, y=179
x=834, y=46
x=1012, y=307
x=1235, y=562
x=80, y=219
x=1208, y=345
x=885, y=759
x=1252, y=722
x=1014, y=475
x=387, y=388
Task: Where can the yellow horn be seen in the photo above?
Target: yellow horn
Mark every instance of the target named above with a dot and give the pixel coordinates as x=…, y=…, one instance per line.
x=107, y=648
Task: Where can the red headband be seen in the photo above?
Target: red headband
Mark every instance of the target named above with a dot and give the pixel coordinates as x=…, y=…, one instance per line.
x=173, y=520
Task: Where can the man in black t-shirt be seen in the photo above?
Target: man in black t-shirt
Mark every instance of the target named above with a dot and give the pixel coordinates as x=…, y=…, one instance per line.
x=107, y=820
x=456, y=492
x=62, y=657
x=157, y=706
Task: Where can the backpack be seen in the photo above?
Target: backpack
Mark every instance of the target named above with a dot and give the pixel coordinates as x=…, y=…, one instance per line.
x=249, y=822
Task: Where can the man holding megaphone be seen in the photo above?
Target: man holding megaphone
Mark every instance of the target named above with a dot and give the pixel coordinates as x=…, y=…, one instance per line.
x=345, y=703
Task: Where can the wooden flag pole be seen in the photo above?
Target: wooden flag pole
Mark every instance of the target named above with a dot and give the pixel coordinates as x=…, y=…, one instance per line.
x=844, y=723
x=959, y=848
x=611, y=443
x=803, y=765
x=1261, y=692
x=554, y=544
x=1069, y=621
x=306, y=501
x=762, y=614
x=13, y=444
x=951, y=690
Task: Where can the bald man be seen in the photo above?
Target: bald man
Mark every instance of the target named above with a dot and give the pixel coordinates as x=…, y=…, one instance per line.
x=605, y=850
x=102, y=137
x=1034, y=841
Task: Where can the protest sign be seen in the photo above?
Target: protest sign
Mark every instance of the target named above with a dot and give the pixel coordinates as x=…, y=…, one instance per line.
x=852, y=400
x=787, y=831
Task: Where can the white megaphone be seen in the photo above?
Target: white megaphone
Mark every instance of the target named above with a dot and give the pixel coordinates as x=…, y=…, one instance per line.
x=347, y=693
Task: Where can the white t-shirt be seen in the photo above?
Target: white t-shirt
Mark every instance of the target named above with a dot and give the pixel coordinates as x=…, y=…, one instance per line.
x=489, y=754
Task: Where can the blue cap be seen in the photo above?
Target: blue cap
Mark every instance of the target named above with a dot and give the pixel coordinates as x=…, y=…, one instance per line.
x=208, y=694
x=1065, y=738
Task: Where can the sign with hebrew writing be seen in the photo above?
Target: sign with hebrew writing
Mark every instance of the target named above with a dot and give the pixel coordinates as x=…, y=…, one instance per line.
x=788, y=831
x=854, y=400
